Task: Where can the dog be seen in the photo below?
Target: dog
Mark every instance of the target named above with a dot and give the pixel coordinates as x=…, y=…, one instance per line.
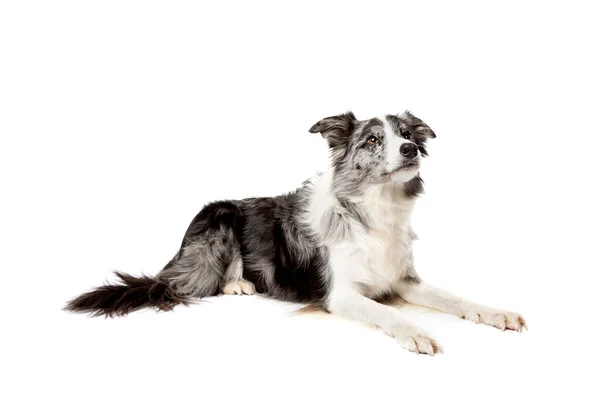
x=342, y=242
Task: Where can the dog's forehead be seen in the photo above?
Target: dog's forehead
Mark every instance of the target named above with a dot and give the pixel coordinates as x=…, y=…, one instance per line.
x=378, y=124
x=397, y=124
x=373, y=124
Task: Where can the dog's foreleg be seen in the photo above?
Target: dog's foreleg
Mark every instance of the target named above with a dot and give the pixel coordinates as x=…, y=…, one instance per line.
x=348, y=303
x=426, y=295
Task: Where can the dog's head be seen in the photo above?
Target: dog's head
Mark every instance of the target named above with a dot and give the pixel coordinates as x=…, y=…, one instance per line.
x=374, y=151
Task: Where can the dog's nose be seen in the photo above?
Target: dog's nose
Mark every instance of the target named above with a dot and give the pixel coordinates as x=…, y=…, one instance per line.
x=409, y=150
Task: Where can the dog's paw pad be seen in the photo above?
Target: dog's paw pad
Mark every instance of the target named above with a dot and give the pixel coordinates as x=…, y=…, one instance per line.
x=239, y=288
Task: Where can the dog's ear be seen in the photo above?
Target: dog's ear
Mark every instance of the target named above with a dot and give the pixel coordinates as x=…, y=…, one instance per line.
x=336, y=130
x=419, y=127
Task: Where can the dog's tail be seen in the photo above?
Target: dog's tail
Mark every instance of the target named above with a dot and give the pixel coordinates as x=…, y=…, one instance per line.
x=130, y=294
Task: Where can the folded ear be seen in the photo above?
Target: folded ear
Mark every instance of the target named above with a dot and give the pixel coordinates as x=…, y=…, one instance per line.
x=337, y=129
x=418, y=125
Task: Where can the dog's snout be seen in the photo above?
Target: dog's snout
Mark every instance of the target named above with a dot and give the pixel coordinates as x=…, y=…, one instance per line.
x=409, y=150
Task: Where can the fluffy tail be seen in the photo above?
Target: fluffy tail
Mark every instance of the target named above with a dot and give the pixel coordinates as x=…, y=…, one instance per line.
x=130, y=294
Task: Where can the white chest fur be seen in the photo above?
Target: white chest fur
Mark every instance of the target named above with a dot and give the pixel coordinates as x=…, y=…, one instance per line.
x=370, y=257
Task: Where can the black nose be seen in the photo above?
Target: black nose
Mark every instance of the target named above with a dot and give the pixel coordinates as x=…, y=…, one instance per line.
x=409, y=150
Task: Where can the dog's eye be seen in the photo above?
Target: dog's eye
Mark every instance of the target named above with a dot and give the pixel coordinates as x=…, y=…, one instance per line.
x=406, y=135
x=373, y=140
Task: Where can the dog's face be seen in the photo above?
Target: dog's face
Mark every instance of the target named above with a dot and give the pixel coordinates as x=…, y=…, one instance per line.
x=374, y=151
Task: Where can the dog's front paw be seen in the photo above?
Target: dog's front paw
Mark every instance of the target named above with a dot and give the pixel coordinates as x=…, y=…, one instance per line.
x=500, y=319
x=418, y=342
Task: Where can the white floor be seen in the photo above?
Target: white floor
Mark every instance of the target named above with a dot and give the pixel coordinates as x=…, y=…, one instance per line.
x=253, y=348
x=119, y=120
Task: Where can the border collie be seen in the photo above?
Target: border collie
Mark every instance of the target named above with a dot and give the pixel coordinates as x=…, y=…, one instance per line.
x=342, y=242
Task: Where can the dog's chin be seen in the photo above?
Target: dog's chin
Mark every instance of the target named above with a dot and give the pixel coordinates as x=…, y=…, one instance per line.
x=404, y=173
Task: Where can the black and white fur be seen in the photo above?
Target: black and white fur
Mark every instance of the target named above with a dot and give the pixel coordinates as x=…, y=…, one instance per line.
x=341, y=242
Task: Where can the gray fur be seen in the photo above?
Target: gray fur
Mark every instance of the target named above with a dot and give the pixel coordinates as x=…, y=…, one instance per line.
x=343, y=244
x=200, y=266
x=268, y=240
x=361, y=165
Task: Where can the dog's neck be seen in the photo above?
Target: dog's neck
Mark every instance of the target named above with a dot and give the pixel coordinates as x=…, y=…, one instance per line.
x=392, y=195
x=385, y=204
x=373, y=206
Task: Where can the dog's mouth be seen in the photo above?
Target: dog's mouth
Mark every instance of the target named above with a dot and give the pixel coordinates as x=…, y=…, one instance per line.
x=407, y=166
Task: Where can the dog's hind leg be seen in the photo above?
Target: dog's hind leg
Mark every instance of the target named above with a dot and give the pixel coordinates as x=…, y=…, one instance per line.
x=233, y=282
x=210, y=254
x=196, y=271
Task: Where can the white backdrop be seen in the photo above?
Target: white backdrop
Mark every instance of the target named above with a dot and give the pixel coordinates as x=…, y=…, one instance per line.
x=120, y=119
